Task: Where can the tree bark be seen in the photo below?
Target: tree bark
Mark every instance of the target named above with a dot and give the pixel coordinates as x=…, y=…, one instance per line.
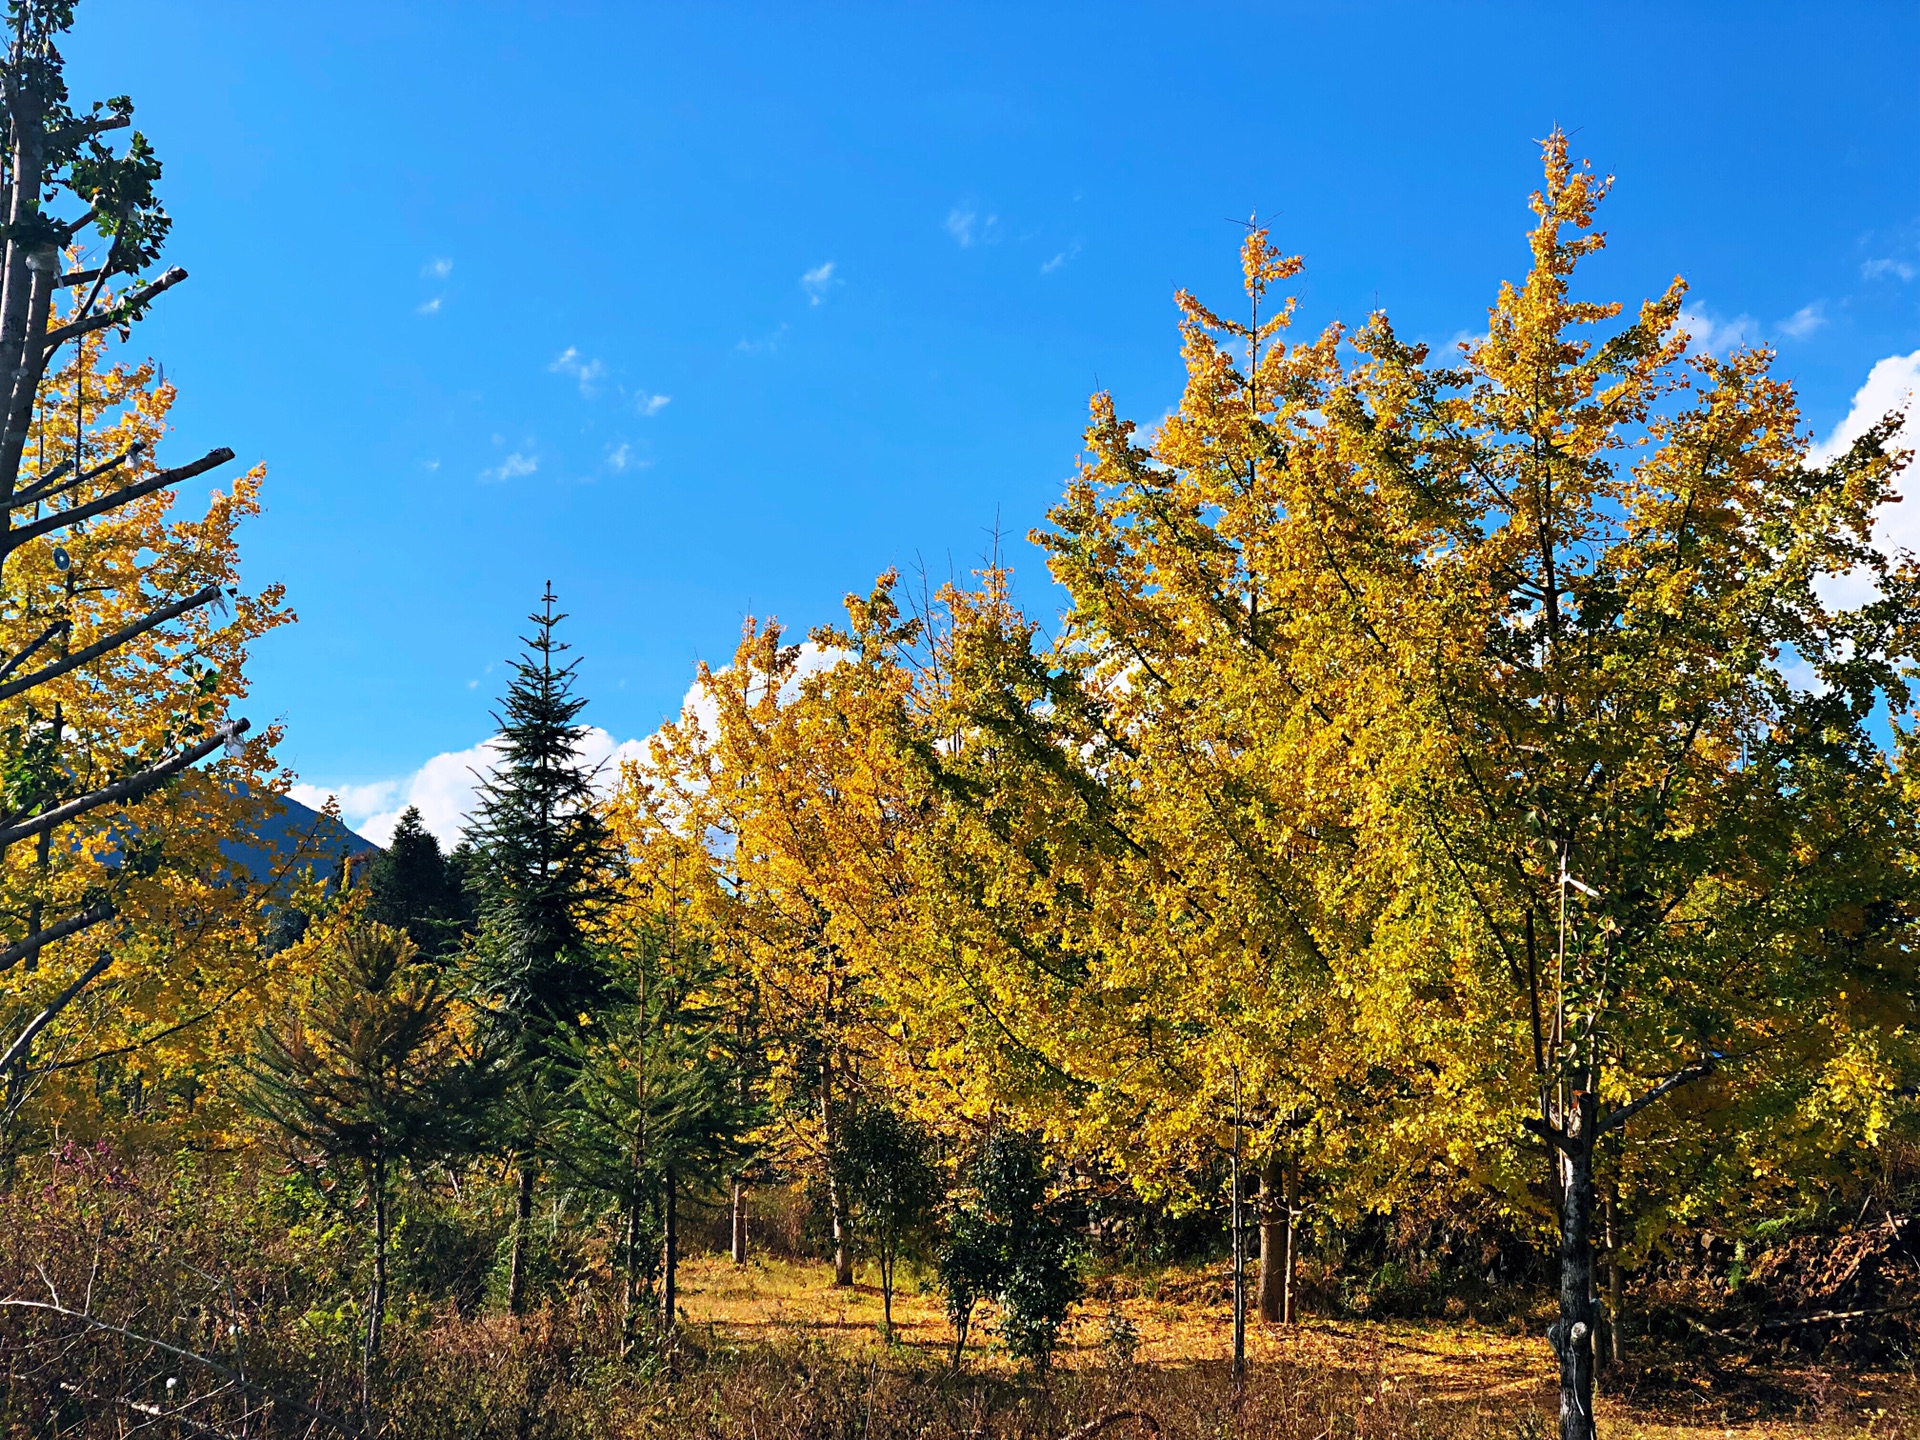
x=1277, y=1244
x=739, y=1221
x=886, y=1285
x=377, y=1308
x=1572, y=1334
x=1268, y=1297
x=1614, y=1282
x=836, y=1190
x=630, y=1309
x=669, y=1253
x=522, y=1222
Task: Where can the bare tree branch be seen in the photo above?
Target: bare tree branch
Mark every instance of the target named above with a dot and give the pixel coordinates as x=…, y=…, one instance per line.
x=105, y=643
x=53, y=484
x=54, y=474
x=47, y=1016
x=27, y=654
x=131, y=788
x=1614, y=1119
x=222, y=1370
x=60, y=334
x=82, y=129
x=33, y=944
x=159, y=480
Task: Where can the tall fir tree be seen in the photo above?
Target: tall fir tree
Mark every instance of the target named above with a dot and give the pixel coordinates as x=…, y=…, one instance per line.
x=544, y=875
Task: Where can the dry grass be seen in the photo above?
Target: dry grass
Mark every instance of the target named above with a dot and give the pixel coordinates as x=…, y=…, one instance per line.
x=1456, y=1371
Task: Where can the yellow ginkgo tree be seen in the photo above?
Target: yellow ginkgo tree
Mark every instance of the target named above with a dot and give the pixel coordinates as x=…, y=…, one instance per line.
x=1615, y=746
x=125, y=925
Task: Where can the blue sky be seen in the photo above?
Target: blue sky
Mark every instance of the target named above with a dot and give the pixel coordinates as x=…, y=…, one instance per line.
x=702, y=309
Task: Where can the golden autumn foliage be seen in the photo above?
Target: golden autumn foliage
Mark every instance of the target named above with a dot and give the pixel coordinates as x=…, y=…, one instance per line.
x=186, y=977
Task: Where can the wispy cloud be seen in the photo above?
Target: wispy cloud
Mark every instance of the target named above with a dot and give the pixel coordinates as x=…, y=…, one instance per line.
x=1887, y=265
x=766, y=345
x=969, y=228
x=620, y=459
x=428, y=307
x=1804, y=321
x=513, y=467
x=817, y=281
x=588, y=372
x=651, y=404
x=430, y=465
x=1065, y=257
x=437, y=269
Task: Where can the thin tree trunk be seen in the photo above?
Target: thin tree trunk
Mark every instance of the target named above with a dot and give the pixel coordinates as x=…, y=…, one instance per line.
x=1289, y=1204
x=1614, y=1283
x=836, y=1191
x=522, y=1223
x=1239, y=1365
x=669, y=1253
x=739, y=1221
x=377, y=1308
x=1572, y=1334
x=886, y=1286
x=629, y=1312
x=1269, y=1298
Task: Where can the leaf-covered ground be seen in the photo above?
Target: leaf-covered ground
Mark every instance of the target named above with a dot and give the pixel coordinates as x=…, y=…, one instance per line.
x=1467, y=1375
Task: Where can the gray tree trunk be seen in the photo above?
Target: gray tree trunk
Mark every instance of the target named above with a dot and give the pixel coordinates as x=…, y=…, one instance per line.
x=1572, y=1334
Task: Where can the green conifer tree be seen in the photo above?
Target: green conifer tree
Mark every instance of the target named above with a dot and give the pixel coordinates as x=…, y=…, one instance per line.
x=544, y=866
x=373, y=1070
x=413, y=888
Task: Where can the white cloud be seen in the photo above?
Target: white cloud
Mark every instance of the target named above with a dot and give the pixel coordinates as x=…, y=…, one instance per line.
x=588, y=372
x=620, y=456
x=430, y=465
x=1899, y=269
x=446, y=789
x=354, y=799
x=817, y=281
x=430, y=307
x=967, y=227
x=513, y=467
x=1803, y=322
x=1064, y=257
x=437, y=269
x=651, y=404
x=1892, y=384
x=1716, y=337
x=812, y=660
